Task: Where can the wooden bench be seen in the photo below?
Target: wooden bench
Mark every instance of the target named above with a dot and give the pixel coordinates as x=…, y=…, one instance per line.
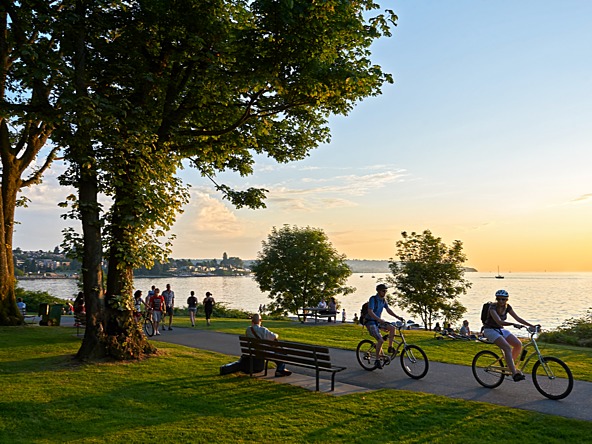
x=294, y=353
x=316, y=314
x=29, y=319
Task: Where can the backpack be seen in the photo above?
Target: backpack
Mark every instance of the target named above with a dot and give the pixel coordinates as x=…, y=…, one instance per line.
x=485, y=312
x=363, y=313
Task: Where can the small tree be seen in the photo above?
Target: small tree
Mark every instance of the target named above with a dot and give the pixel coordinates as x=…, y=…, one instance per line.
x=298, y=267
x=429, y=277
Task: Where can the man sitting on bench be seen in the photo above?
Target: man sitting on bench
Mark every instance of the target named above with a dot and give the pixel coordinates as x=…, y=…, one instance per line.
x=22, y=306
x=256, y=330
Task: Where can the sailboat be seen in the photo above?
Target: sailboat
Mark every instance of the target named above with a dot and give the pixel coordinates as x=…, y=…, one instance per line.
x=499, y=276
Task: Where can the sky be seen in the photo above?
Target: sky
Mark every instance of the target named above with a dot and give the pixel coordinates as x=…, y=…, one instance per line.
x=485, y=137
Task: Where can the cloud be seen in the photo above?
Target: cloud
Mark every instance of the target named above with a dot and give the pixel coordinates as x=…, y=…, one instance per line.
x=583, y=198
x=330, y=192
x=206, y=215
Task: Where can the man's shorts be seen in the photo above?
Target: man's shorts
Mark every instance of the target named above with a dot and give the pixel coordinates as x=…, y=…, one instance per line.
x=493, y=333
x=374, y=331
x=156, y=316
x=169, y=311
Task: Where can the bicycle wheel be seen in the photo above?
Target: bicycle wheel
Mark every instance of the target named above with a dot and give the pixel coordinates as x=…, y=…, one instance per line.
x=148, y=327
x=366, y=354
x=486, y=369
x=414, y=362
x=552, y=378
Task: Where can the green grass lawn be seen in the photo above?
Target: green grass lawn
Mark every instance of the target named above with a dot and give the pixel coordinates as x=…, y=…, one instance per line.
x=178, y=396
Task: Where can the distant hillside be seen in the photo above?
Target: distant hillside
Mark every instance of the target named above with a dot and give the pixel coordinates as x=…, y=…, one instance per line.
x=366, y=266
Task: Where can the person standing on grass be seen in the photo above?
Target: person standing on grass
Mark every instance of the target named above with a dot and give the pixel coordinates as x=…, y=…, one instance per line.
x=157, y=306
x=192, y=307
x=208, y=304
x=169, y=300
x=138, y=302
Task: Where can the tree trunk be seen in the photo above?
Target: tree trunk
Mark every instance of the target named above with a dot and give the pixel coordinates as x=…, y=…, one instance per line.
x=125, y=335
x=92, y=273
x=9, y=312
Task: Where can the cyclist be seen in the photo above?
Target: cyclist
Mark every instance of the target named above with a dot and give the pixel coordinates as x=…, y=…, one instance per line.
x=374, y=322
x=494, y=331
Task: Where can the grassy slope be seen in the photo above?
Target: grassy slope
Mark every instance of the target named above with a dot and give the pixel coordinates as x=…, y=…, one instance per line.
x=179, y=397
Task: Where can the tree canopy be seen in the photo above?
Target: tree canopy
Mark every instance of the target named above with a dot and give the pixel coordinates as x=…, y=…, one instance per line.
x=429, y=277
x=147, y=87
x=299, y=267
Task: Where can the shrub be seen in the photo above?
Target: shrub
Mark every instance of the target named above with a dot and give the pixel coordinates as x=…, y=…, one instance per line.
x=34, y=298
x=572, y=332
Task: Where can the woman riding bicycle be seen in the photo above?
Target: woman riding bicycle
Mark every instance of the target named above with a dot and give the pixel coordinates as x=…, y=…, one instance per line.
x=493, y=330
x=374, y=322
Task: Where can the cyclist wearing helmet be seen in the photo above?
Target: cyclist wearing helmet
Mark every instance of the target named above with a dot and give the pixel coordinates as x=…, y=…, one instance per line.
x=374, y=322
x=494, y=332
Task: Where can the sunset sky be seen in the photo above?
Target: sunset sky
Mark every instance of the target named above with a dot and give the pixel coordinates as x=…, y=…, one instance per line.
x=485, y=137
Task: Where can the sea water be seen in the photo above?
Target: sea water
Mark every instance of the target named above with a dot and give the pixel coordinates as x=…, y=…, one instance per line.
x=542, y=298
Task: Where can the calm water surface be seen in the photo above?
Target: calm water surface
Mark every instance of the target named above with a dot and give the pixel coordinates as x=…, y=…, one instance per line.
x=545, y=298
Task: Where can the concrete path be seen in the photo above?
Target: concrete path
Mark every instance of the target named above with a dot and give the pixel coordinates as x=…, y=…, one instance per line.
x=454, y=381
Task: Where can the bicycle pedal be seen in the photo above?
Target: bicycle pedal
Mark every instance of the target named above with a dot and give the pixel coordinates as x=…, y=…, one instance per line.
x=386, y=360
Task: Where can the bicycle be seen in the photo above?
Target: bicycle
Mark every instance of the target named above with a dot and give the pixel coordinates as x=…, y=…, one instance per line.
x=550, y=375
x=145, y=321
x=413, y=359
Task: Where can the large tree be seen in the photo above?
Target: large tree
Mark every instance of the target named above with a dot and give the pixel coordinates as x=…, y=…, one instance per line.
x=429, y=277
x=29, y=78
x=299, y=267
x=213, y=81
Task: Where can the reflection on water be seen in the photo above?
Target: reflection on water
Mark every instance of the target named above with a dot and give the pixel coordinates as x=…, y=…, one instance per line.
x=545, y=298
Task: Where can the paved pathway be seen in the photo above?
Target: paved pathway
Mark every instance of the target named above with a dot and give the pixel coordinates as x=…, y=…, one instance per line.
x=454, y=381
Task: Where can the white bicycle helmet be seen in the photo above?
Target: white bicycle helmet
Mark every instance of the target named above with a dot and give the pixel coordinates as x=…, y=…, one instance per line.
x=502, y=294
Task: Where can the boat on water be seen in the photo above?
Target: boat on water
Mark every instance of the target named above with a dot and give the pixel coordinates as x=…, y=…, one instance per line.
x=498, y=276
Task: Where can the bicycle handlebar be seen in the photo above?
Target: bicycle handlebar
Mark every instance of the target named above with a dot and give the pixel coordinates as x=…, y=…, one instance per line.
x=533, y=330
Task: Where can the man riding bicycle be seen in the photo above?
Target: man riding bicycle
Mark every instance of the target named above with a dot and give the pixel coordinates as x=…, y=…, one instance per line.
x=374, y=322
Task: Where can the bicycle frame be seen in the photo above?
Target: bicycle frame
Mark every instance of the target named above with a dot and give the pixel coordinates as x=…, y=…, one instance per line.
x=399, y=343
x=413, y=359
x=537, y=352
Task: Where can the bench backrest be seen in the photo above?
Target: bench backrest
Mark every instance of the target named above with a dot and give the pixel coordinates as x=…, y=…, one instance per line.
x=286, y=351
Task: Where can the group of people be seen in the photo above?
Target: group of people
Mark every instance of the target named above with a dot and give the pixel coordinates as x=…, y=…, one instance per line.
x=161, y=305
x=493, y=327
x=330, y=308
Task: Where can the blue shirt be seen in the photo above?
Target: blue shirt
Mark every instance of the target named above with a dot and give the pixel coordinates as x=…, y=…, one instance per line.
x=376, y=304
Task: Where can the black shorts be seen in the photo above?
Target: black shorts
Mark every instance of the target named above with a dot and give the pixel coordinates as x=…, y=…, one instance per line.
x=169, y=311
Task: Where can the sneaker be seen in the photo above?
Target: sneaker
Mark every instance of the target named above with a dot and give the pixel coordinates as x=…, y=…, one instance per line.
x=391, y=350
x=518, y=377
x=282, y=373
x=377, y=364
x=170, y=328
x=157, y=333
